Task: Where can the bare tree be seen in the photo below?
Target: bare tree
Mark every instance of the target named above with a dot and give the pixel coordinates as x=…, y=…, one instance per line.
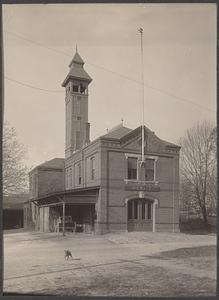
x=15, y=173
x=198, y=167
x=212, y=175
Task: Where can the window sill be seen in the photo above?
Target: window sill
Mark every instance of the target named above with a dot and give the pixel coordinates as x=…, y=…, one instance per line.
x=141, y=181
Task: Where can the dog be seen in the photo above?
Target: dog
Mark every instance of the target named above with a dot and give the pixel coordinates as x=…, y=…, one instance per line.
x=68, y=254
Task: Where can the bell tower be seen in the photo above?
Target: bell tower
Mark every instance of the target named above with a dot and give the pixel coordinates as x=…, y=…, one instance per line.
x=77, y=128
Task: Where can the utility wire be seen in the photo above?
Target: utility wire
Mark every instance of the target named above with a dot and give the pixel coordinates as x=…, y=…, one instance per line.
x=60, y=91
x=152, y=88
x=182, y=99
x=31, y=86
x=36, y=43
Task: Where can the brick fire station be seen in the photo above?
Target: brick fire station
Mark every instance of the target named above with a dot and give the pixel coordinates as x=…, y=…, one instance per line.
x=101, y=186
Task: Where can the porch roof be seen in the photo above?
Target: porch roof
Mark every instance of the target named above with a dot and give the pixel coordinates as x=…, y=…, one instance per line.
x=86, y=195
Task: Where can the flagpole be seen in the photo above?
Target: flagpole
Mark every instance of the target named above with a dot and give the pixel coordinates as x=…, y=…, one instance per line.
x=142, y=82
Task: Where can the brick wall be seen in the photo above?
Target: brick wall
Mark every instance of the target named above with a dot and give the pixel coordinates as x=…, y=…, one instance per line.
x=112, y=208
x=83, y=157
x=50, y=180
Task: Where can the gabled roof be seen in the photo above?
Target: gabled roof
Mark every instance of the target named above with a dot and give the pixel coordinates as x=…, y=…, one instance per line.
x=138, y=130
x=117, y=132
x=55, y=163
x=169, y=144
x=126, y=135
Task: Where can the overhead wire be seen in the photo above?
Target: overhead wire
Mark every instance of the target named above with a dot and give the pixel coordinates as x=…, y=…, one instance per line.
x=31, y=86
x=182, y=99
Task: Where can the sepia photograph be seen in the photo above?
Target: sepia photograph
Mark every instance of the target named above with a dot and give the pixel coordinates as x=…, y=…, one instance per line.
x=110, y=149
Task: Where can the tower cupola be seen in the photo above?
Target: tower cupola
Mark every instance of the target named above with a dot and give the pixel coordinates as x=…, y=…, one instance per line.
x=76, y=103
x=77, y=70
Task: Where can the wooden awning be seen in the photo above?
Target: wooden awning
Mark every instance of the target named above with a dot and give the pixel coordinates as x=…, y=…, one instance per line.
x=76, y=196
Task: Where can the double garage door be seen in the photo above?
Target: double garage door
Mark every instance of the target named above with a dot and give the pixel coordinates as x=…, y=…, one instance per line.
x=139, y=215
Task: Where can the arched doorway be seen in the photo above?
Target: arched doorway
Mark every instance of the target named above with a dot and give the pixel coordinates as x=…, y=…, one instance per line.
x=140, y=214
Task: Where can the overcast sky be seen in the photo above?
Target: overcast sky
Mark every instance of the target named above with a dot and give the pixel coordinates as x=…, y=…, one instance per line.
x=179, y=68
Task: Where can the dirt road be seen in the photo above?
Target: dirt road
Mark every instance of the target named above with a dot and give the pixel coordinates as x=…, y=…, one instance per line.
x=128, y=264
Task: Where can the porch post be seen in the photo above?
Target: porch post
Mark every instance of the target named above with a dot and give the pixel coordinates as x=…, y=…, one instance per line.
x=154, y=214
x=63, y=218
x=153, y=206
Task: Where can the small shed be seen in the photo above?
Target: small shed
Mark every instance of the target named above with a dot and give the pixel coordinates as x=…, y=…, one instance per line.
x=13, y=216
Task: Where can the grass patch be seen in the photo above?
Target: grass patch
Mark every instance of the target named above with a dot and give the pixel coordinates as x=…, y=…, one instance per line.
x=136, y=281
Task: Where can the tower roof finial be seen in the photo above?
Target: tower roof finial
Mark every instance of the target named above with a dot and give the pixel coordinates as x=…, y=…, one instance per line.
x=76, y=48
